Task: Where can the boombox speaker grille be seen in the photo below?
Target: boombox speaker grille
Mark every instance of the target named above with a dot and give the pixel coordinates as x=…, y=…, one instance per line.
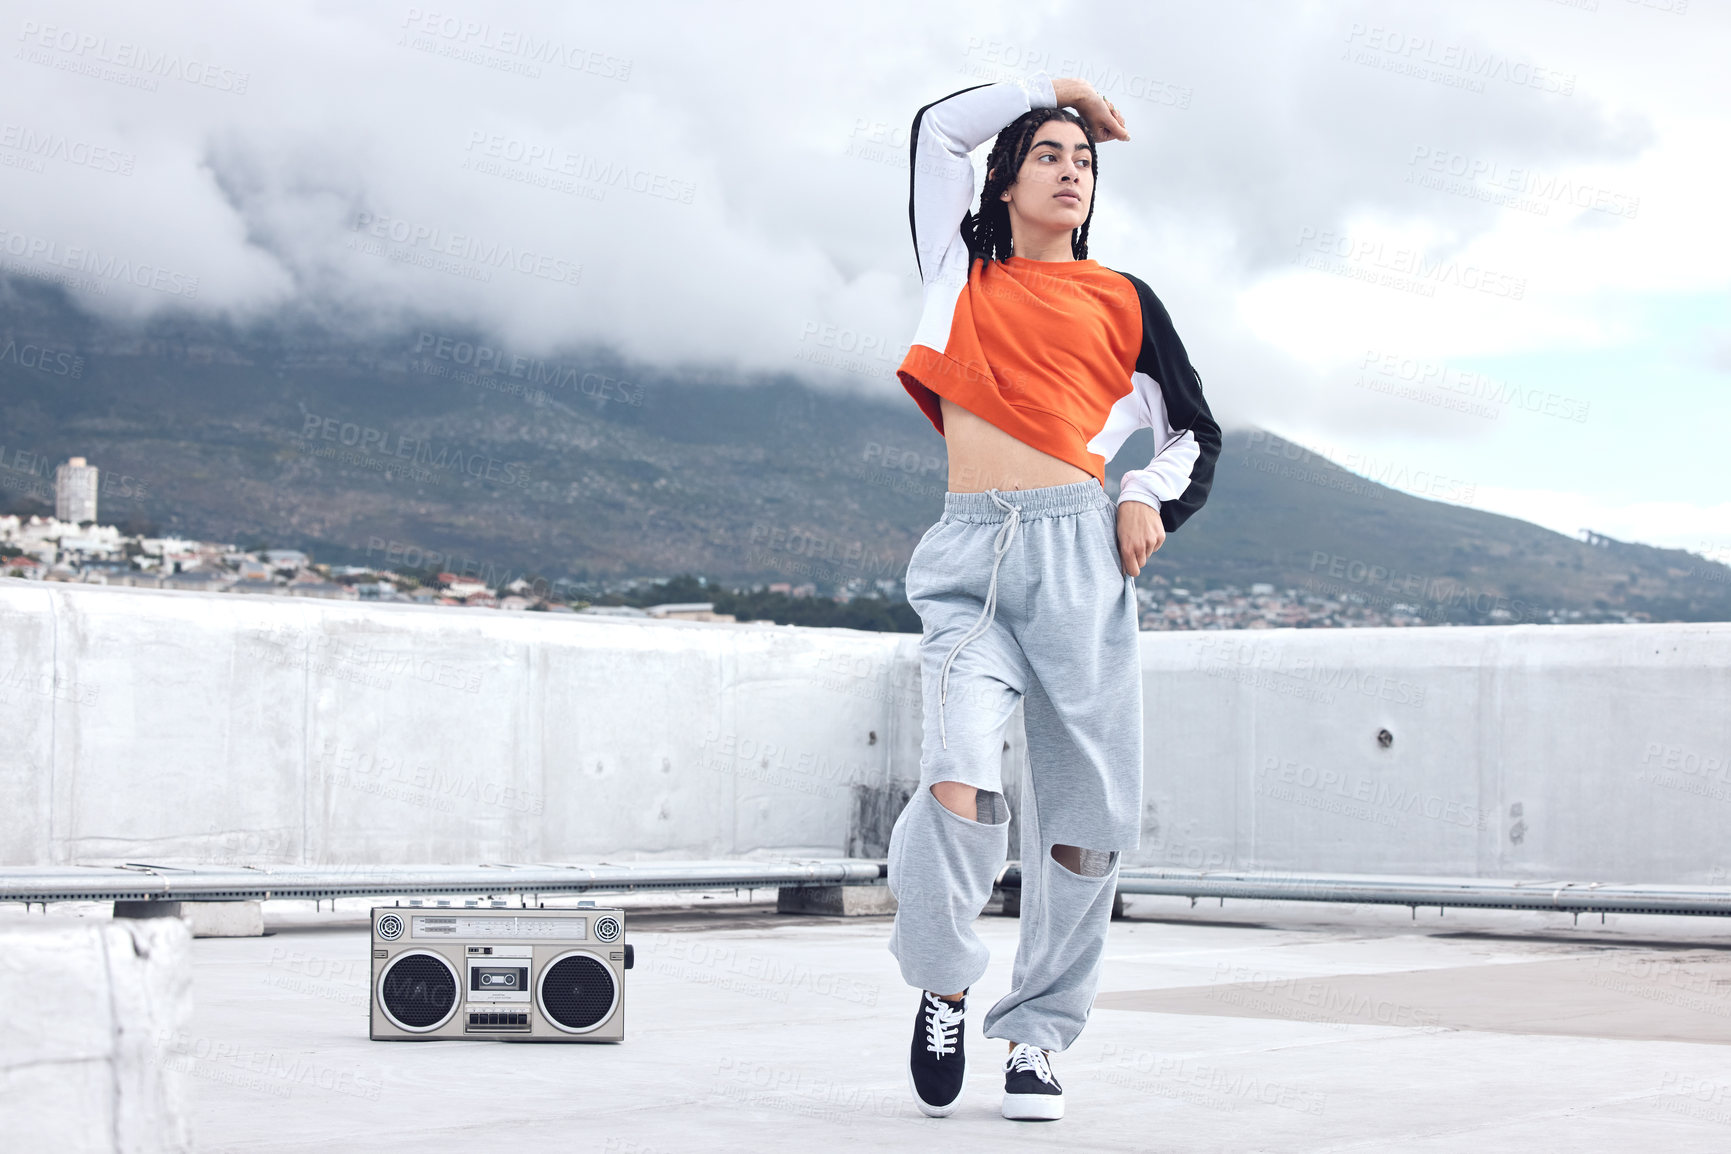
x=418, y=990
x=578, y=992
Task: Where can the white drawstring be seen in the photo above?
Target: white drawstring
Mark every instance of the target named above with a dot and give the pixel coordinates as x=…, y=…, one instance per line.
x=1000, y=546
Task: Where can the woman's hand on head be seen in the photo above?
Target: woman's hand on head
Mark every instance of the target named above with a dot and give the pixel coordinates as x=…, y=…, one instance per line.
x=1104, y=120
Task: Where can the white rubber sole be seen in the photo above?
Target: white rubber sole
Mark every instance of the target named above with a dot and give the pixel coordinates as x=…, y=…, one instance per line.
x=927, y=1108
x=1033, y=1107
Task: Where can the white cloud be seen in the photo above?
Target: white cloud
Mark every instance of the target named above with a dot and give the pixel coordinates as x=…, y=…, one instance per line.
x=767, y=145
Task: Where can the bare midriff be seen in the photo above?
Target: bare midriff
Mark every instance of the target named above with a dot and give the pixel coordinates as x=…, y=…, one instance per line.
x=983, y=456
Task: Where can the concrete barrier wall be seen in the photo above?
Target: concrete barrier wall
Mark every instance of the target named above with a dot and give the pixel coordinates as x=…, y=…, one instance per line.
x=147, y=725
x=95, y=1053
x=1595, y=753
x=178, y=727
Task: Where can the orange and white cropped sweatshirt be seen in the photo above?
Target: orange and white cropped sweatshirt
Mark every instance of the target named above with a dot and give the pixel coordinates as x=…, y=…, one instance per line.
x=1070, y=357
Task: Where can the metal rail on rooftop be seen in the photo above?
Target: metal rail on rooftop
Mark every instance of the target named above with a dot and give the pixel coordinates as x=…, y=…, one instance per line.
x=1462, y=893
x=140, y=881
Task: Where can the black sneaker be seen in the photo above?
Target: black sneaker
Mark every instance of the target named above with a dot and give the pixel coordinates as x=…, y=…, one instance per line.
x=935, y=1061
x=1031, y=1093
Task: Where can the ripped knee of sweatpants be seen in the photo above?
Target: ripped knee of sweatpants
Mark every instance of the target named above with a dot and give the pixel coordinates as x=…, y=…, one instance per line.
x=1088, y=863
x=989, y=807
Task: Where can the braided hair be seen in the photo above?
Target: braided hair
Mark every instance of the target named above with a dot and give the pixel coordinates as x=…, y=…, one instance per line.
x=987, y=232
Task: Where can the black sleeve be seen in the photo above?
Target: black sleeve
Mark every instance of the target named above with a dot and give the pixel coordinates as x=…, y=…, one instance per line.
x=1163, y=358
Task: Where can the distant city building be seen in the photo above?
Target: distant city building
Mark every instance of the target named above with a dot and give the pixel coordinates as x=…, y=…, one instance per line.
x=75, y=485
x=286, y=560
x=689, y=611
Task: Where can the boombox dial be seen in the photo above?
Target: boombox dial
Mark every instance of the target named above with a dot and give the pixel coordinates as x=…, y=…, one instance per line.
x=418, y=991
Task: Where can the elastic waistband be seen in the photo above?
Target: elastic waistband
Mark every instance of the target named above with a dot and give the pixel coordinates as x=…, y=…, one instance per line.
x=1055, y=501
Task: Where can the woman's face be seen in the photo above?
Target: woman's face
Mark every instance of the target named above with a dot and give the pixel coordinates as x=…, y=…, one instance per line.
x=1055, y=185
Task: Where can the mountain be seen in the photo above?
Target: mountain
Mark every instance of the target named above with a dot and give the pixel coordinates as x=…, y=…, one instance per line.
x=435, y=448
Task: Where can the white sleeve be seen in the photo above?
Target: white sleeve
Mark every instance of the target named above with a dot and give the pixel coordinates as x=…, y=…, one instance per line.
x=941, y=175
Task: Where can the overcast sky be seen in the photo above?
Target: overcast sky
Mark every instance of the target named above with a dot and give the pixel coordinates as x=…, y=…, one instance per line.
x=1478, y=250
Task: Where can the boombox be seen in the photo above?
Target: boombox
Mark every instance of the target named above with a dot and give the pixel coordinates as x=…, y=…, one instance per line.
x=504, y=975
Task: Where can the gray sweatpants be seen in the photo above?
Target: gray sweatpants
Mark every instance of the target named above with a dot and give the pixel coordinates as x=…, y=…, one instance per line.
x=1022, y=599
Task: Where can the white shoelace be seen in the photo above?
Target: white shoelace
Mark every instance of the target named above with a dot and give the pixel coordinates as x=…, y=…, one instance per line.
x=1032, y=1060
x=943, y=1021
x=1000, y=546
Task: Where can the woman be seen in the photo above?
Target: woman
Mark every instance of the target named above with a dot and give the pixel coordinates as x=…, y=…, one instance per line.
x=1036, y=364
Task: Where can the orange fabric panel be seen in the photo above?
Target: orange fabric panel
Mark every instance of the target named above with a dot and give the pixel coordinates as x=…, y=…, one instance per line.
x=1041, y=349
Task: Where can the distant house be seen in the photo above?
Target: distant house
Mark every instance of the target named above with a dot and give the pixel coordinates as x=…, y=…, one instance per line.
x=462, y=588
x=26, y=567
x=198, y=581
x=289, y=560
x=106, y=572
x=329, y=590
x=688, y=611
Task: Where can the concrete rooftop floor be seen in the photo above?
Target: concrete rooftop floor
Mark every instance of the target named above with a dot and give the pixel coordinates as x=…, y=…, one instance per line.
x=1257, y=1026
